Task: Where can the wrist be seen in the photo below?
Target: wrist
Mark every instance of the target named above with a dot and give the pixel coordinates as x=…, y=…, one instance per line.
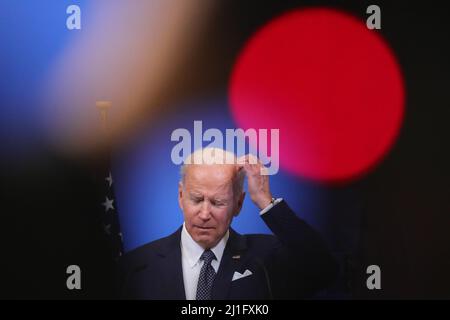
x=264, y=202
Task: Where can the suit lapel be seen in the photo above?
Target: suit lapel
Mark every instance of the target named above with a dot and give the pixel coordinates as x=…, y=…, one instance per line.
x=171, y=253
x=232, y=260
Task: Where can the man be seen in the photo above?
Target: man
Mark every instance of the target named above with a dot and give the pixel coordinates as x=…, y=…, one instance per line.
x=206, y=259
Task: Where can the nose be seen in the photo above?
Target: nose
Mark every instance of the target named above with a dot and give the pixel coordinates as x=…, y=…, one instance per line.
x=205, y=211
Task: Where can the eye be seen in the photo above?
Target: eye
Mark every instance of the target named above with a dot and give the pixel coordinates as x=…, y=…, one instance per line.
x=218, y=203
x=197, y=200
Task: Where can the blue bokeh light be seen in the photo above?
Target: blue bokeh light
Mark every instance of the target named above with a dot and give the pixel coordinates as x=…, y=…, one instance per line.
x=32, y=35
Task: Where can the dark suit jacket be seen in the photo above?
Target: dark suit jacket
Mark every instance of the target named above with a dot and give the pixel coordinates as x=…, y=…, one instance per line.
x=293, y=263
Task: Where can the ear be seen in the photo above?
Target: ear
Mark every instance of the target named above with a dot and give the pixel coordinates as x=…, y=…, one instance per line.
x=239, y=204
x=180, y=194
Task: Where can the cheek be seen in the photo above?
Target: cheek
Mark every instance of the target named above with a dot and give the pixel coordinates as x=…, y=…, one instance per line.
x=223, y=216
x=189, y=212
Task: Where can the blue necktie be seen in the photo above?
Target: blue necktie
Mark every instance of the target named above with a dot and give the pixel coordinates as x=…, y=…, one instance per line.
x=206, y=277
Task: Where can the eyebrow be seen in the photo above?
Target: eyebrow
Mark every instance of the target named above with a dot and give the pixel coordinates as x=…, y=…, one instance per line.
x=195, y=194
x=198, y=195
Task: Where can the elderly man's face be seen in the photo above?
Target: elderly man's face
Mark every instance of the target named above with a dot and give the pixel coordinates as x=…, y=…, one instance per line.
x=208, y=203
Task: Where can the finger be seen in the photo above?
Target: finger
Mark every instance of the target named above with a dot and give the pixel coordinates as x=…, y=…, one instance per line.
x=263, y=170
x=241, y=160
x=252, y=159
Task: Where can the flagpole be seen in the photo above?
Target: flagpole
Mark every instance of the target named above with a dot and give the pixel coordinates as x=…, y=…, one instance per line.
x=104, y=107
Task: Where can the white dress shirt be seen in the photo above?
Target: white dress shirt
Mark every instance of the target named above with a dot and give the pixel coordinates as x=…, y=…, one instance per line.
x=270, y=206
x=191, y=252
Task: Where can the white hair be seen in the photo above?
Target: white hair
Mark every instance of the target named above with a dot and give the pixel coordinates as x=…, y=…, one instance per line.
x=211, y=156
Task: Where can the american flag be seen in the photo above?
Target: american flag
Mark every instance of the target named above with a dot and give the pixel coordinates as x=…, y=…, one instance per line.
x=107, y=202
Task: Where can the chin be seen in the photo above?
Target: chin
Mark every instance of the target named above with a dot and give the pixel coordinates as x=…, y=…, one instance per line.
x=205, y=241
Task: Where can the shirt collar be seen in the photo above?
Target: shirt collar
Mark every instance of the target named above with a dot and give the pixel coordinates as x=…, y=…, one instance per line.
x=193, y=251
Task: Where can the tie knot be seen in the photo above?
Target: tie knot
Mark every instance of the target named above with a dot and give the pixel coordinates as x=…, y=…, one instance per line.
x=207, y=256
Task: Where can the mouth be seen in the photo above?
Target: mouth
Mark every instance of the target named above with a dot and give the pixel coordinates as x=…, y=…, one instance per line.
x=204, y=228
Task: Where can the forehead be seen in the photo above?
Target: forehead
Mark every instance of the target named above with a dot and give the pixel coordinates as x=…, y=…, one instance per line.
x=209, y=177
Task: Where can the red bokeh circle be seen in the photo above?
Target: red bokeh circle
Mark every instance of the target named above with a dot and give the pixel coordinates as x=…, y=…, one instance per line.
x=332, y=86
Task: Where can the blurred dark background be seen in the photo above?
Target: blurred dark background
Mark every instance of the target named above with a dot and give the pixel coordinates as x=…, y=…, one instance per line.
x=398, y=214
